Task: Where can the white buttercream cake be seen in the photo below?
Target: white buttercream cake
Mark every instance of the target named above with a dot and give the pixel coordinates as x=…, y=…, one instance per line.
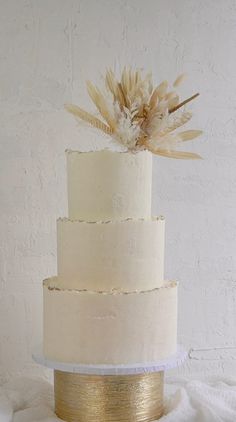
x=109, y=303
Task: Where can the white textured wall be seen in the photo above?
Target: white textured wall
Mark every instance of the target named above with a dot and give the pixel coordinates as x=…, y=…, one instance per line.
x=48, y=48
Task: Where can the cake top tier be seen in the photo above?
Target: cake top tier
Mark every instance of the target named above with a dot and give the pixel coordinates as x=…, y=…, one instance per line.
x=108, y=185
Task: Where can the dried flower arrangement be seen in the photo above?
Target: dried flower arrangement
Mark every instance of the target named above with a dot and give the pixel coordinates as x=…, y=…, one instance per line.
x=138, y=115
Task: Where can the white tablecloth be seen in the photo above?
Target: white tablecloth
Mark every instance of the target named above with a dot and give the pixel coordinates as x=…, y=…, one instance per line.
x=31, y=400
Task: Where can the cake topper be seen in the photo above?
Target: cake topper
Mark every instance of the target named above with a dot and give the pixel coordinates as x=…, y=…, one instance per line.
x=138, y=115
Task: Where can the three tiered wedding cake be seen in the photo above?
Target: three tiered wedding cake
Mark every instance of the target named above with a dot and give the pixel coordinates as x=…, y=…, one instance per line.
x=109, y=303
x=110, y=319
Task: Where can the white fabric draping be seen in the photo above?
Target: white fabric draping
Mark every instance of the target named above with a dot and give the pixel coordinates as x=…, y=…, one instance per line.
x=31, y=400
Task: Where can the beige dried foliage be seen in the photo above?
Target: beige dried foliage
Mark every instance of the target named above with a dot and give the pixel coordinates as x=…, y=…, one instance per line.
x=111, y=82
x=173, y=102
x=100, y=102
x=125, y=81
x=89, y=118
x=138, y=115
x=162, y=89
x=188, y=135
x=178, y=122
x=179, y=80
x=183, y=155
x=154, y=99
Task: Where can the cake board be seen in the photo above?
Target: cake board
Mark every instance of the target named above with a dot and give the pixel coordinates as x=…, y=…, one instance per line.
x=110, y=393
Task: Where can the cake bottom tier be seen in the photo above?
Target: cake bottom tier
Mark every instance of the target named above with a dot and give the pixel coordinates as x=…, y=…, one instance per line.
x=89, y=327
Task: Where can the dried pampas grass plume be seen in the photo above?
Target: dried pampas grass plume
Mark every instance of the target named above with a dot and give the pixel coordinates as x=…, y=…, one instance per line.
x=138, y=115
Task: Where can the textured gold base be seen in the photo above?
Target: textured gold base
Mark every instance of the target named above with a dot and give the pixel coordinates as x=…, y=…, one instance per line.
x=108, y=398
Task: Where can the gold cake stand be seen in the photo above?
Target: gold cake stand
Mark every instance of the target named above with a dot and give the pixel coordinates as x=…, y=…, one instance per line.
x=110, y=393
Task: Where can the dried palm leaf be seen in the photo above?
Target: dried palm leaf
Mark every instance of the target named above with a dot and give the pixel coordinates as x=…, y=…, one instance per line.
x=100, y=102
x=161, y=89
x=178, y=81
x=188, y=135
x=137, y=77
x=125, y=80
x=132, y=79
x=121, y=97
x=138, y=115
x=180, y=121
x=154, y=99
x=170, y=95
x=136, y=88
x=174, y=154
x=88, y=118
x=111, y=82
x=148, y=80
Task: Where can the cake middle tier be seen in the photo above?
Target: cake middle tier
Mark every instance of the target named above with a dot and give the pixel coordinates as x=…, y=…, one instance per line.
x=115, y=255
